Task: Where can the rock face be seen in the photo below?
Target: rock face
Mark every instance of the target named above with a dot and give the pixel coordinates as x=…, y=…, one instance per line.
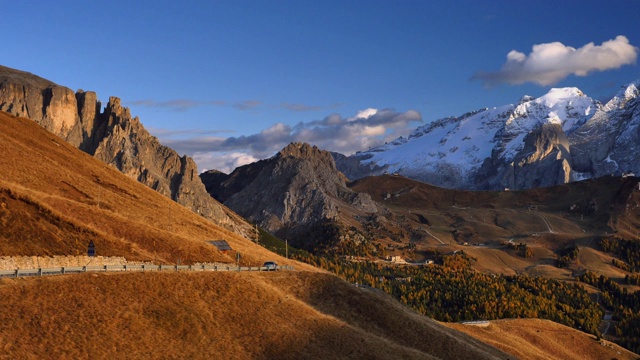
x=544, y=161
x=113, y=136
x=296, y=194
x=559, y=137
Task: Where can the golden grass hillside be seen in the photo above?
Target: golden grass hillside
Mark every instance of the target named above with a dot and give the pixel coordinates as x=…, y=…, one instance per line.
x=543, y=339
x=230, y=315
x=54, y=199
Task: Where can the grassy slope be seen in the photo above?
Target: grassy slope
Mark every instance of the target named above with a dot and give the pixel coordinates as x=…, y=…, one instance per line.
x=292, y=315
x=543, y=339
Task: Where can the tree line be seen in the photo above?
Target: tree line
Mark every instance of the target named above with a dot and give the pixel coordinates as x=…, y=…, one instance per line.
x=451, y=291
x=625, y=306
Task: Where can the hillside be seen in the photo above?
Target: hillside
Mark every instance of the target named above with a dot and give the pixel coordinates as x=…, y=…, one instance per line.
x=546, y=219
x=543, y=339
x=297, y=315
x=55, y=198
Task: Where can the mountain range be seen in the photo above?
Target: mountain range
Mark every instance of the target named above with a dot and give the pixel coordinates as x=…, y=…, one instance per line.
x=299, y=195
x=560, y=137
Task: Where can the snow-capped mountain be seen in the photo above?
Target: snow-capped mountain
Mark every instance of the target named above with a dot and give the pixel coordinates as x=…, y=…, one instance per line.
x=559, y=137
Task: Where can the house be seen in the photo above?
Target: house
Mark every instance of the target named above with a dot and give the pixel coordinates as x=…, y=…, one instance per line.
x=395, y=259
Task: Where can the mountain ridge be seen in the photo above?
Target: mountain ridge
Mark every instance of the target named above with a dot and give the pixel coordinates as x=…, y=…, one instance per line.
x=486, y=149
x=296, y=194
x=113, y=136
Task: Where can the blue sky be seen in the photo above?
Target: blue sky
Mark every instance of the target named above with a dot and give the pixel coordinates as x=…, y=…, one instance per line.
x=229, y=82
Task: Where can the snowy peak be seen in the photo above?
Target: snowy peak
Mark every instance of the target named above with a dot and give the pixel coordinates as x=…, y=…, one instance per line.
x=624, y=95
x=568, y=107
x=484, y=149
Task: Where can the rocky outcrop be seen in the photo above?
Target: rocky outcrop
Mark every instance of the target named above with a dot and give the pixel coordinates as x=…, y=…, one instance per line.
x=356, y=168
x=544, y=161
x=296, y=194
x=113, y=136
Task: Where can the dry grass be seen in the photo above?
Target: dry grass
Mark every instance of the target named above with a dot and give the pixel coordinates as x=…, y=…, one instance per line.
x=543, y=339
x=292, y=315
x=492, y=218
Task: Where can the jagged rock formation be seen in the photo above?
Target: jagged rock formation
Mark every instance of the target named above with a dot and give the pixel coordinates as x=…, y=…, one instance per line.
x=559, y=137
x=543, y=161
x=296, y=194
x=355, y=167
x=113, y=136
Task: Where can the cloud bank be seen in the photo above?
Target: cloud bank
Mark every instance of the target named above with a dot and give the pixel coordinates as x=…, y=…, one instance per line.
x=368, y=128
x=549, y=63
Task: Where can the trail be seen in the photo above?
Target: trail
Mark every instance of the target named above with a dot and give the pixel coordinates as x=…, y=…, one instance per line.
x=546, y=222
x=435, y=237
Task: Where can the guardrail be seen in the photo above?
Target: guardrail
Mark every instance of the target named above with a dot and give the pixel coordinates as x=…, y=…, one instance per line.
x=123, y=268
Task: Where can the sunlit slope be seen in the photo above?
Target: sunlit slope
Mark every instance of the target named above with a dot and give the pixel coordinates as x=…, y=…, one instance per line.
x=544, y=339
x=54, y=199
x=545, y=219
x=288, y=315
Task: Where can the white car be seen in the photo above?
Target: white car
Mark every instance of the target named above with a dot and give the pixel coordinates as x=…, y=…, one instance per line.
x=270, y=266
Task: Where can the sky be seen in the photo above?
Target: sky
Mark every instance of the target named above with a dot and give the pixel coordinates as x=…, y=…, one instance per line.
x=230, y=82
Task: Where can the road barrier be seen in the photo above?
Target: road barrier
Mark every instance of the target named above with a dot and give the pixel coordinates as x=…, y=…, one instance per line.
x=124, y=268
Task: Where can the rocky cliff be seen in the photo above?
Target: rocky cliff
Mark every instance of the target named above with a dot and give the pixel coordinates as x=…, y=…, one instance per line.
x=298, y=194
x=113, y=136
x=544, y=160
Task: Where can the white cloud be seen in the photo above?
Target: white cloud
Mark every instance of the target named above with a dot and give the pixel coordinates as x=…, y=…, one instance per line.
x=224, y=162
x=363, y=114
x=374, y=130
x=549, y=63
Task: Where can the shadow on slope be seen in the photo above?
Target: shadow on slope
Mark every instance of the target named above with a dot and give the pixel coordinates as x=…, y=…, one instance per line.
x=291, y=315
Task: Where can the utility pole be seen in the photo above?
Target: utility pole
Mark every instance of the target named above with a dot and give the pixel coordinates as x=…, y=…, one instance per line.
x=257, y=234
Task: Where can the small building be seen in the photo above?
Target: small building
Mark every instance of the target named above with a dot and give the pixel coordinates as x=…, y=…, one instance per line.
x=221, y=245
x=91, y=249
x=395, y=259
